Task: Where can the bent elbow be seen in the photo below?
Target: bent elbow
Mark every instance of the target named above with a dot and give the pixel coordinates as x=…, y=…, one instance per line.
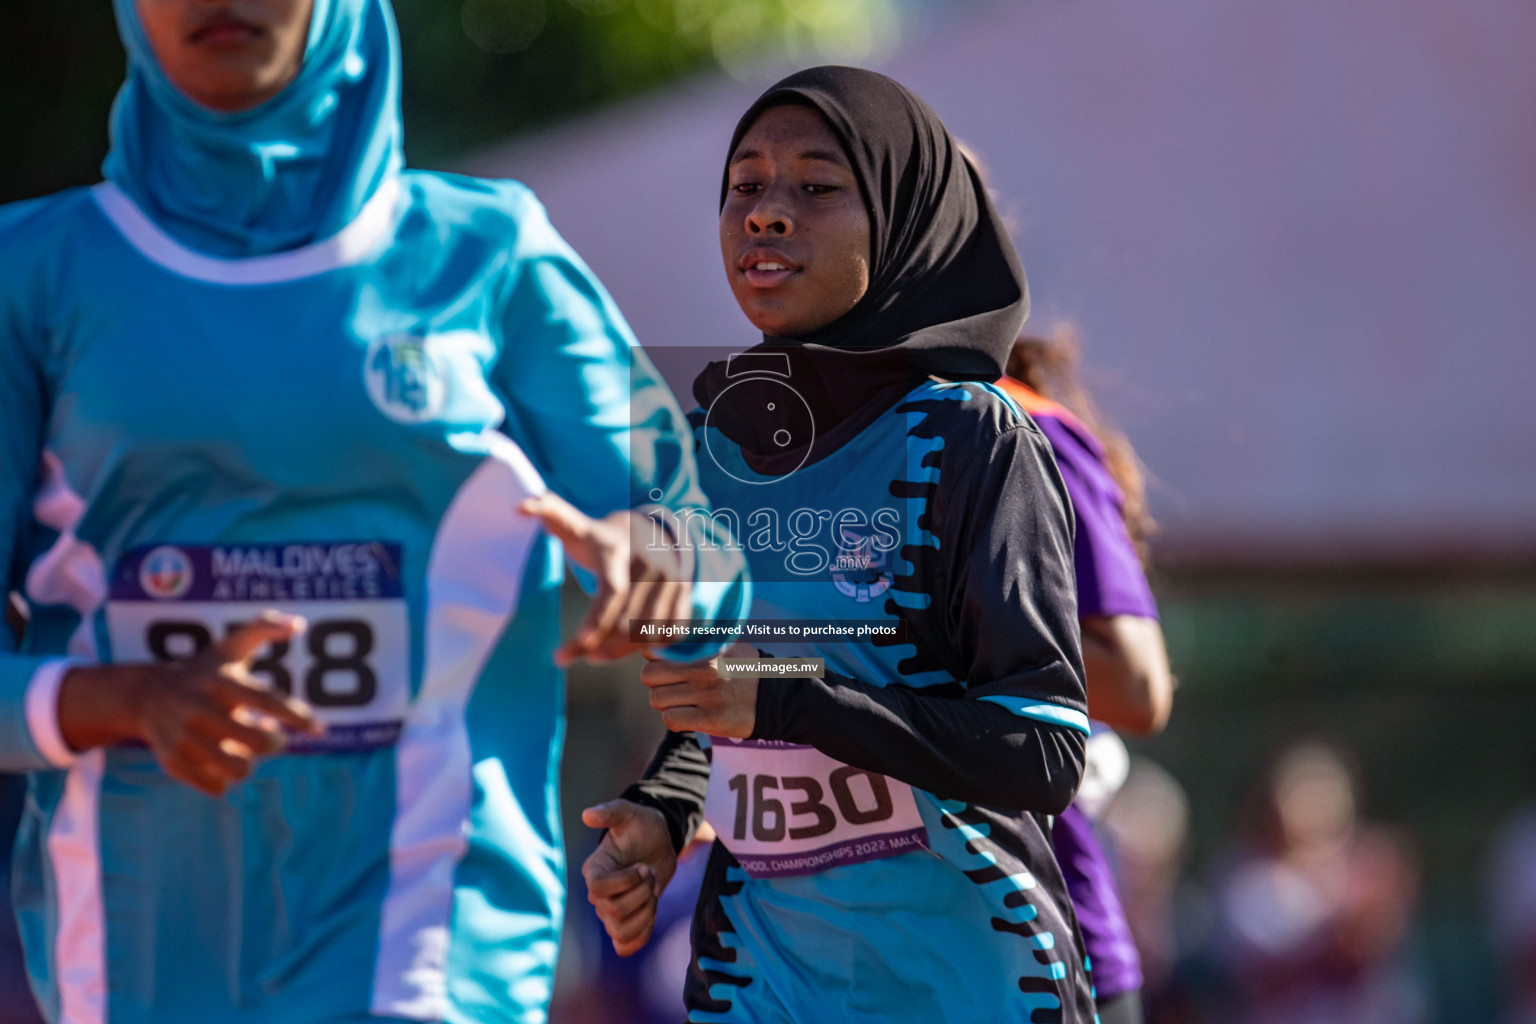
x=1065, y=761
x=1060, y=799
x=1130, y=686
x=1159, y=710
x=1147, y=715
x=1158, y=704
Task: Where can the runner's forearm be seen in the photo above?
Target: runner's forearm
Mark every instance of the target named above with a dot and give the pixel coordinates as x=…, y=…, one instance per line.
x=953, y=747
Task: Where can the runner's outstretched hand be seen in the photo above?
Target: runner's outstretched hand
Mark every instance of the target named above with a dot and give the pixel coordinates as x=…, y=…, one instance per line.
x=635, y=578
x=205, y=718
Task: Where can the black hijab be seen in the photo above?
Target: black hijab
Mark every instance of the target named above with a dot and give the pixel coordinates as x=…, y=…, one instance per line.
x=947, y=294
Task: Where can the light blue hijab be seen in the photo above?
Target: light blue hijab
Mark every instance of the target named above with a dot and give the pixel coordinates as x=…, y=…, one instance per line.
x=292, y=171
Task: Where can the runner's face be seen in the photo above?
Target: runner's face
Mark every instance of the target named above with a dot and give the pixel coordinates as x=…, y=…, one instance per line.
x=794, y=231
x=228, y=55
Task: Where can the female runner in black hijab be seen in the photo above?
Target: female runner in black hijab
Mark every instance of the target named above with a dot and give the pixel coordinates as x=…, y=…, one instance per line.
x=883, y=848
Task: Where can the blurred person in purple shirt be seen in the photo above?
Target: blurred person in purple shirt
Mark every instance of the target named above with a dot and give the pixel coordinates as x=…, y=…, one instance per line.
x=1130, y=686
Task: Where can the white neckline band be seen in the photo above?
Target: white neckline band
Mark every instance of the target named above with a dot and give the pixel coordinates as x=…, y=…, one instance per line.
x=346, y=248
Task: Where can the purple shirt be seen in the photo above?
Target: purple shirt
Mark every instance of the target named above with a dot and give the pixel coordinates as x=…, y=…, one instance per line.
x=1116, y=966
x=1110, y=581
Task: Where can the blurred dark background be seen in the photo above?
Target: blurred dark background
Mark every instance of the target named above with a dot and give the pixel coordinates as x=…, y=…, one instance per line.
x=1381, y=600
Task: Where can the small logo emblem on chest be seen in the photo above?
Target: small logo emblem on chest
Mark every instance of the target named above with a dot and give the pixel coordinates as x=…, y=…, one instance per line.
x=405, y=377
x=859, y=571
x=166, y=573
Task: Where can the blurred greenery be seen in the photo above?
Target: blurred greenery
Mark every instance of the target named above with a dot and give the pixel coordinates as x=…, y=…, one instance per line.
x=474, y=70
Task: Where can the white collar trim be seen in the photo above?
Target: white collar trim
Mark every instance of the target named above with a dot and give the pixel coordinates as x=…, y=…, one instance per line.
x=348, y=247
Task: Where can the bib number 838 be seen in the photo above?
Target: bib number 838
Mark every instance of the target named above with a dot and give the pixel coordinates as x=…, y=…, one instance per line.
x=771, y=824
x=338, y=650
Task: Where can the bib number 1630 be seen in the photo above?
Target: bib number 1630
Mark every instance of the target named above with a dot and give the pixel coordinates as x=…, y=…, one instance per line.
x=338, y=673
x=859, y=797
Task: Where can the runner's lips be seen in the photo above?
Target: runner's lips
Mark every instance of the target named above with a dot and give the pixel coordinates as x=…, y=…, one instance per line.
x=224, y=28
x=765, y=268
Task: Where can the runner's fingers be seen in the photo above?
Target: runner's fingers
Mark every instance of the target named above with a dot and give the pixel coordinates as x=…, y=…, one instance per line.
x=287, y=710
x=627, y=949
x=607, y=815
x=236, y=671
x=256, y=720
x=262, y=736
x=645, y=601
x=654, y=599
x=687, y=719
x=225, y=758
x=590, y=632
x=211, y=758
x=619, y=907
x=615, y=645
x=607, y=616
x=272, y=627
x=609, y=884
x=650, y=598
x=677, y=695
x=671, y=673
x=641, y=565
x=564, y=521
x=634, y=929
x=658, y=672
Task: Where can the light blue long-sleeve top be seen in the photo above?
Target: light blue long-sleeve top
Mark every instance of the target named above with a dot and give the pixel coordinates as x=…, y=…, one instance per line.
x=338, y=421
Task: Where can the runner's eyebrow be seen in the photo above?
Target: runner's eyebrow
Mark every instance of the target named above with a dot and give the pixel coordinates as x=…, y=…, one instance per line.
x=826, y=155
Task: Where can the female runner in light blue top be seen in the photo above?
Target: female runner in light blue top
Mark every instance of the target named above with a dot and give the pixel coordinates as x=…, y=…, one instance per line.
x=263, y=379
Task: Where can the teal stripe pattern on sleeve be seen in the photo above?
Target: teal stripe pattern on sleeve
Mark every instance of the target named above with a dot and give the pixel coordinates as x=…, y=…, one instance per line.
x=1052, y=713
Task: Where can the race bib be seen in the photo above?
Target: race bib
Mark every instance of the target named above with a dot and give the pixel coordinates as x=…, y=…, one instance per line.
x=786, y=809
x=353, y=663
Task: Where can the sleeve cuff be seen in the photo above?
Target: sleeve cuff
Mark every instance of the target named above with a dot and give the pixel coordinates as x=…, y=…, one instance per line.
x=1042, y=711
x=775, y=705
x=42, y=707
x=676, y=825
